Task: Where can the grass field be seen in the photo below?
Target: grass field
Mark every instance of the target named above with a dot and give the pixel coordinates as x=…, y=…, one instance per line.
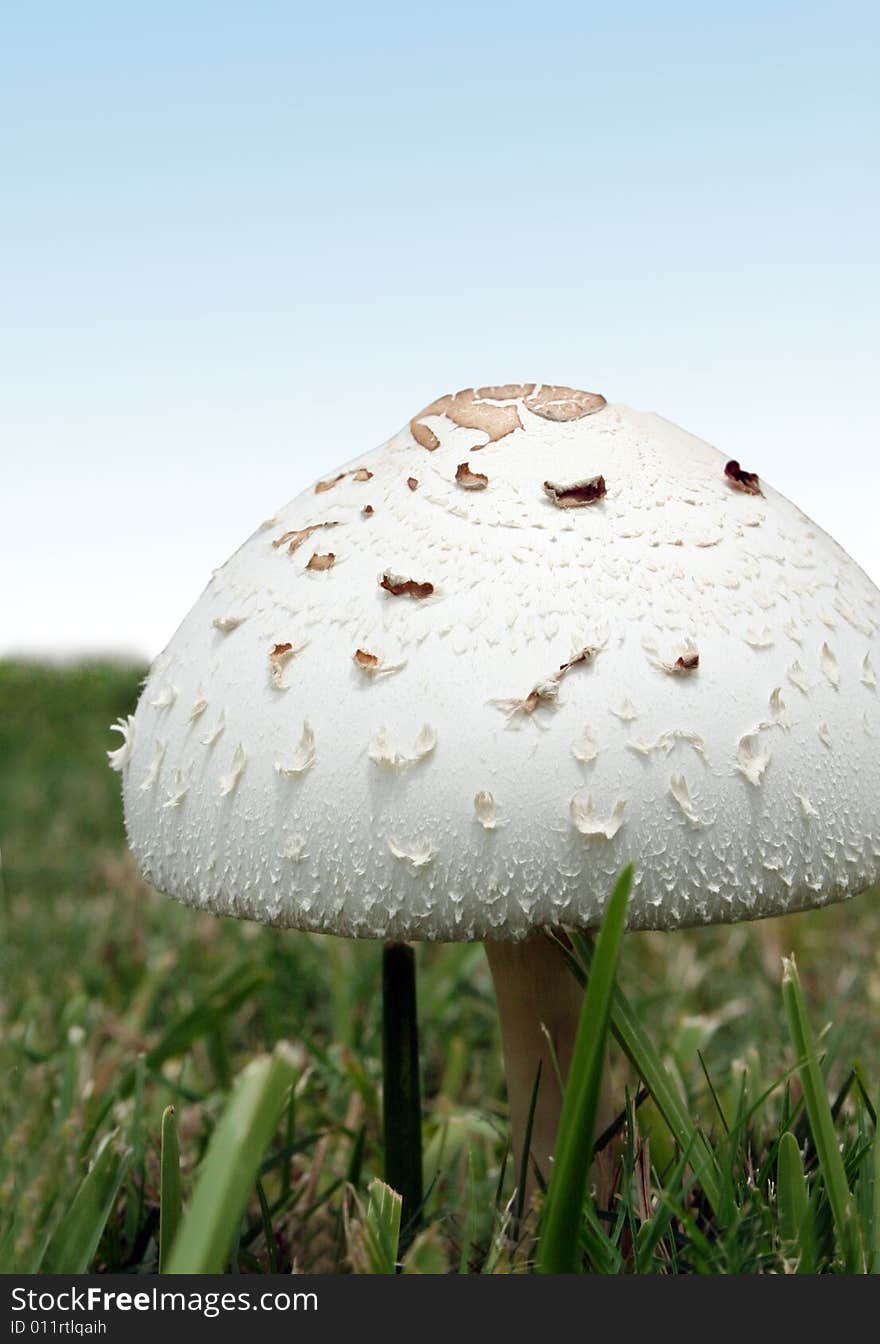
x=117, y=1003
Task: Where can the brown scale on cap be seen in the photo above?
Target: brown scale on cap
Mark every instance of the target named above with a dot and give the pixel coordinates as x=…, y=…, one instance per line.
x=686, y=662
x=470, y=480
x=324, y=486
x=412, y=482
x=373, y=665
x=747, y=481
x=398, y=586
x=585, y=655
x=467, y=411
x=279, y=656
x=560, y=404
x=296, y=539
x=321, y=562
x=362, y=474
x=478, y=408
x=367, y=510
x=579, y=494
x=546, y=692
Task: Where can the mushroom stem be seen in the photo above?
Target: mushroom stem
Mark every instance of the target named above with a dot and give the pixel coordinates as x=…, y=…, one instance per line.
x=402, y=1104
x=539, y=1004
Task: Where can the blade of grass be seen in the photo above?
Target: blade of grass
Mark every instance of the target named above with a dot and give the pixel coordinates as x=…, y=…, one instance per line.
x=502, y=1172
x=281, y=1157
x=601, y=1252
x=563, y=1212
x=650, y=1234
x=863, y=1092
x=134, y=1201
x=379, y=1240
x=527, y=1148
x=170, y=1196
x=356, y=1160
x=874, y=1252
x=470, y=1233
x=639, y=1049
x=289, y=1130
x=820, y=1118
x=352, y=1179
x=848, y=1084
x=712, y=1092
x=268, y=1233
x=793, y=1204
x=73, y=1244
x=230, y=1168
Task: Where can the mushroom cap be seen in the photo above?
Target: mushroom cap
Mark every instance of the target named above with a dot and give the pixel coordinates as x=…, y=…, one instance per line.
x=452, y=688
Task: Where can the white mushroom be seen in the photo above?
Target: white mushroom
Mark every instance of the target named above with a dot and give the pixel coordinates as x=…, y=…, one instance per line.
x=483, y=594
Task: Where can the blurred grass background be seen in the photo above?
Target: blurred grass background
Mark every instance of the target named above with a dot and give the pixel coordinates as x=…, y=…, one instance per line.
x=115, y=1002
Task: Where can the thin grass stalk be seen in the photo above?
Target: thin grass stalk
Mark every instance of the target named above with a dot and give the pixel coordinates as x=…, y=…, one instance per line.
x=374, y=1237
x=821, y=1120
x=231, y=1165
x=72, y=1246
x=559, y=1246
x=793, y=1204
x=874, y=1251
x=524, y=1160
x=639, y=1049
x=170, y=1194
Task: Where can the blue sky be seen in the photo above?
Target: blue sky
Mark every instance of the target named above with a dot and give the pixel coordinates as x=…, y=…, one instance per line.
x=241, y=243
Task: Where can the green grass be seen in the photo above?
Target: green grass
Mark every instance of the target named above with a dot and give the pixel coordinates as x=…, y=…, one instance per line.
x=115, y=1004
x=559, y=1249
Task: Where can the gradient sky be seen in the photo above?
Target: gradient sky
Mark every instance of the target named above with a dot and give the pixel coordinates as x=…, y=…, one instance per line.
x=240, y=243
